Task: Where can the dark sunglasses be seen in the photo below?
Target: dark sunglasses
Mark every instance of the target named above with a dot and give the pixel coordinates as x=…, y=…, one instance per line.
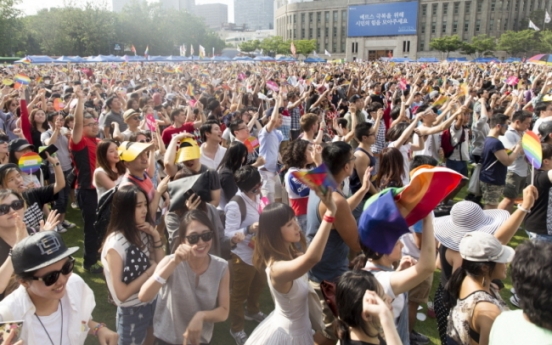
x=4, y=139
x=206, y=237
x=52, y=277
x=16, y=205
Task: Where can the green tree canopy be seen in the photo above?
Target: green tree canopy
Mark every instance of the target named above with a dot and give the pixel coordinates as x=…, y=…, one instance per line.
x=446, y=44
x=518, y=42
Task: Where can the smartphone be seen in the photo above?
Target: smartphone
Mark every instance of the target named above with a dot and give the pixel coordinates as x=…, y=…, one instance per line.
x=10, y=326
x=51, y=149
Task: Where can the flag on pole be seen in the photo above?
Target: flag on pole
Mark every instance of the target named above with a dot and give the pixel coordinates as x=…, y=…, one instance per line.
x=21, y=80
x=183, y=50
x=239, y=49
x=213, y=51
x=327, y=53
x=26, y=61
x=146, y=52
x=191, y=49
x=547, y=18
x=533, y=26
x=314, y=53
x=201, y=51
x=133, y=49
x=292, y=49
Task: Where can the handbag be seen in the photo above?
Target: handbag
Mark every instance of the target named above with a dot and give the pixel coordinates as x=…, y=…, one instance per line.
x=474, y=187
x=136, y=263
x=316, y=315
x=328, y=291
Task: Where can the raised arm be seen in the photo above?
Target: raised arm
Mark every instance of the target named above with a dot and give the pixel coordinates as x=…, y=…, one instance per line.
x=79, y=118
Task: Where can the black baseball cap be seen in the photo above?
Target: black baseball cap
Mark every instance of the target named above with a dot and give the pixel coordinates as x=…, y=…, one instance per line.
x=19, y=144
x=38, y=251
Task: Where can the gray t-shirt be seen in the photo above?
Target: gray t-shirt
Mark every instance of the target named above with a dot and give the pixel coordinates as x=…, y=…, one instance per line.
x=62, y=144
x=111, y=117
x=183, y=296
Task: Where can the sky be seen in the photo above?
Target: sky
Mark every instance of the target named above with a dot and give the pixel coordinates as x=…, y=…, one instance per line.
x=32, y=6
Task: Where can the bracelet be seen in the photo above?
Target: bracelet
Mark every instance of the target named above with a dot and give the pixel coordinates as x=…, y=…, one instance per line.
x=97, y=328
x=523, y=209
x=329, y=219
x=159, y=246
x=57, y=164
x=159, y=279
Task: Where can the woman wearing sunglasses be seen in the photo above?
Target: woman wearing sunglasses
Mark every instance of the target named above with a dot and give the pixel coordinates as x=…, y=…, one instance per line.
x=131, y=238
x=193, y=286
x=54, y=304
x=12, y=231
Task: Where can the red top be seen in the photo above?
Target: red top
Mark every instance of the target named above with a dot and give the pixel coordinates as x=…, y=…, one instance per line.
x=84, y=159
x=170, y=131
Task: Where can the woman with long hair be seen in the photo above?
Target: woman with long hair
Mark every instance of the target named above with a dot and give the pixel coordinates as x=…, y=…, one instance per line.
x=400, y=136
x=297, y=156
x=234, y=158
x=39, y=125
x=478, y=302
x=4, y=152
x=277, y=252
x=192, y=275
x=364, y=311
x=391, y=172
x=130, y=240
x=109, y=168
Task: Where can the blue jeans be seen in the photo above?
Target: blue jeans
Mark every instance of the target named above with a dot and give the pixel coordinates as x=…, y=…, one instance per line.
x=133, y=323
x=460, y=167
x=61, y=202
x=538, y=237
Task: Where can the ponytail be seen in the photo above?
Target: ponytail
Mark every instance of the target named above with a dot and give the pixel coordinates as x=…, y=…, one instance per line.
x=455, y=282
x=342, y=330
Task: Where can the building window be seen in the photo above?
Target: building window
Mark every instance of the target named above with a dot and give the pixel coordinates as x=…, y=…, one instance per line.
x=506, y=5
x=434, y=9
x=310, y=33
x=493, y=5
x=422, y=46
x=334, y=32
x=326, y=32
x=294, y=33
x=310, y=17
x=466, y=25
x=445, y=9
x=294, y=18
x=302, y=17
x=506, y=24
x=423, y=28
x=335, y=17
x=334, y=47
x=327, y=16
x=468, y=7
x=455, y=27
x=444, y=29
x=343, y=46
x=318, y=17
x=477, y=25
x=479, y=6
x=456, y=8
x=433, y=25
x=317, y=32
x=302, y=33
x=491, y=24
x=424, y=10
x=344, y=17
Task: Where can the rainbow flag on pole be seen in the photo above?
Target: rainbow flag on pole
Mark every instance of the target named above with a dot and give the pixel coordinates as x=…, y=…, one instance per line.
x=317, y=177
x=20, y=80
x=532, y=148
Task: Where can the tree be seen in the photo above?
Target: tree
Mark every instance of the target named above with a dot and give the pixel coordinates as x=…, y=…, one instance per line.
x=274, y=45
x=250, y=46
x=518, y=42
x=10, y=27
x=537, y=17
x=467, y=48
x=305, y=47
x=446, y=44
x=483, y=45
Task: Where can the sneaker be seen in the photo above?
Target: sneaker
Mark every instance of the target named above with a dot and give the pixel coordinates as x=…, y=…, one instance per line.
x=60, y=229
x=513, y=291
x=94, y=269
x=514, y=300
x=255, y=317
x=67, y=224
x=418, y=338
x=240, y=337
x=74, y=205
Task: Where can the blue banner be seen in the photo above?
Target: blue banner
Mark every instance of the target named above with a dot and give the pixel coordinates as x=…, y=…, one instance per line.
x=387, y=19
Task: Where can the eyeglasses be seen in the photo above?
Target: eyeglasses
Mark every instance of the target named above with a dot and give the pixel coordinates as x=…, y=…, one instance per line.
x=206, y=237
x=52, y=277
x=16, y=205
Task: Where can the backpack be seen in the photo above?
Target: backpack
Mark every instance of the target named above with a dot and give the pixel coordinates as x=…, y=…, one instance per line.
x=103, y=212
x=446, y=142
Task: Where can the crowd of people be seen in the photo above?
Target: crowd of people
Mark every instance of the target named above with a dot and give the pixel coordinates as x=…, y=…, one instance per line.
x=185, y=177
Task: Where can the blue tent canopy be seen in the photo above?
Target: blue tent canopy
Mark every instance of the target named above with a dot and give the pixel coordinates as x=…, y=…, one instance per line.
x=457, y=59
x=36, y=59
x=65, y=59
x=263, y=58
x=429, y=59
x=104, y=58
x=286, y=59
x=512, y=60
x=486, y=60
x=134, y=58
x=314, y=60
x=221, y=58
x=242, y=58
x=398, y=59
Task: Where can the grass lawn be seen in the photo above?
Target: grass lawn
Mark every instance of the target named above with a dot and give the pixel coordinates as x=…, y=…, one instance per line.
x=105, y=312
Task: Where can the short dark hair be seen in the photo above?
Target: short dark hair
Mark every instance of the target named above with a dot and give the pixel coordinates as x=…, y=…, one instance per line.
x=532, y=277
x=422, y=160
x=499, y=119
x=362, y=130
x=206, y=128
x=521, y=115
x=175, y=113
x=336, y=155
x=234, y=126
x=308, y=120
x=247, y=177
x=541, y=106
x=109, y=101
x=354, y=98
x=545, y=129
x=342, y=122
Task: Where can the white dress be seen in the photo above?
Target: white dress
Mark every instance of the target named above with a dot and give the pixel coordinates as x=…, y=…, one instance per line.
x=289, y=323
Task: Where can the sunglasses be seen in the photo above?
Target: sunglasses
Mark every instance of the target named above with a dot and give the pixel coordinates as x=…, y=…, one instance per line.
x=51, y=278
x=16, y=205
x=206, y=237
x=4, y=139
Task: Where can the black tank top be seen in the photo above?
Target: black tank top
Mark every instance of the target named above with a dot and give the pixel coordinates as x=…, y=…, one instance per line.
x=446, y=268
x=354, y=181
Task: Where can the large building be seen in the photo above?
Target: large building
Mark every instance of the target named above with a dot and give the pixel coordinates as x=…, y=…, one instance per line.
x=256, y=14
x=235, y=38
x=188, y=5
x=396, y=28
x=215, y=15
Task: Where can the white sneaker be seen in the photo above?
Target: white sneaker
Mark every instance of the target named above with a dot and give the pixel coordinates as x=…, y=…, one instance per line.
x=514, y=300
x=60, y=229
x=240, y=337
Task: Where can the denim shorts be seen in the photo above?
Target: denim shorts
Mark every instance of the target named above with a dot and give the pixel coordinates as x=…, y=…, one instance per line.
x=539, y=237
x=460, y=167
x=133, y=323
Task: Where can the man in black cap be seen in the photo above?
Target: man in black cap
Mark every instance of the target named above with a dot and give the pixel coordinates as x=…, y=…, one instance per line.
x=51, y=301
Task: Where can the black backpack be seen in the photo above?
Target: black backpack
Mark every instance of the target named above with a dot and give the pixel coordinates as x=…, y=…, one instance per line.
x=103, y=213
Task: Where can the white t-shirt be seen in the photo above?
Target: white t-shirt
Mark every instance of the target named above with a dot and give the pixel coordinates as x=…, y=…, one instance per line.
x=384, y=278
x=51, y=326
x=407, y=154
x=119, y=243
x=211, y=163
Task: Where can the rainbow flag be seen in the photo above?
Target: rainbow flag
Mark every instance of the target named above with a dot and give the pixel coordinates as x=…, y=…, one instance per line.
x=26, y=61
x=30, y=162
x=38, y=79
x=251, y=143
x=22, y=79
x=203, y=86
x=395, y=209
x=532, y=148
x=190, y=90
x=317, y=177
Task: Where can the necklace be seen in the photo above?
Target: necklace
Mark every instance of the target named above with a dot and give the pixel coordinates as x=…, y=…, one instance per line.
x=45, y=330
